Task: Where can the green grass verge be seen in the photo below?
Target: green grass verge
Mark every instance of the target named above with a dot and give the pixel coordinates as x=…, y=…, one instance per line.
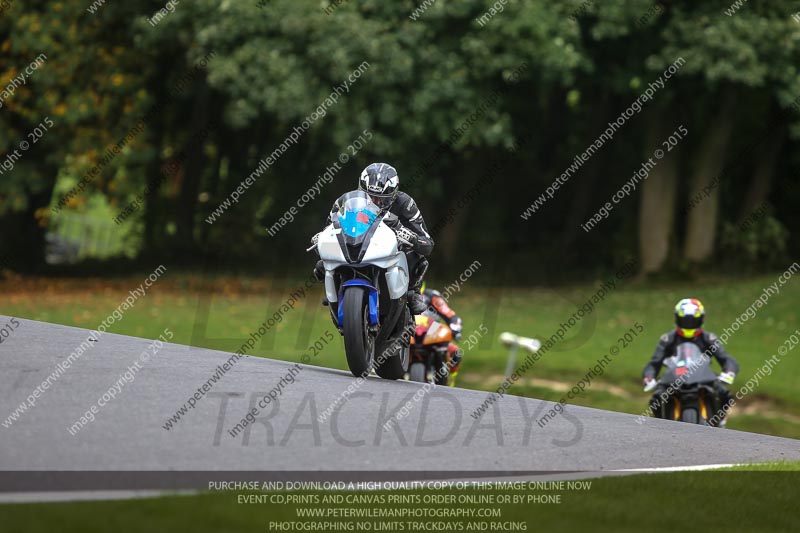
x=777, y=466
x=233, y=308
x=691, y=501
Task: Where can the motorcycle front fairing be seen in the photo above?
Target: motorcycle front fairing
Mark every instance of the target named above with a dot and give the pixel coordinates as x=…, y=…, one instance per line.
x=357, y=238
x=362, y=258
x=688, y=365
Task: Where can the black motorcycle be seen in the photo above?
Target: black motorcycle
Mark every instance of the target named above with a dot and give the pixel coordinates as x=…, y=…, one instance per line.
x=690, y=378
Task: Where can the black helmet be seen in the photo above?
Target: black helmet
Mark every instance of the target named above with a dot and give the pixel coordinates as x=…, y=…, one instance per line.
x=380, y=181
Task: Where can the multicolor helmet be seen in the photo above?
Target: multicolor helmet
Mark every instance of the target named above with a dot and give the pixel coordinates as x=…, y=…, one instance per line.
x=689, y=317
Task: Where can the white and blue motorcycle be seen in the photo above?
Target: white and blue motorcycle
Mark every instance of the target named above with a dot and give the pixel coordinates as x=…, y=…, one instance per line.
x=366, y=285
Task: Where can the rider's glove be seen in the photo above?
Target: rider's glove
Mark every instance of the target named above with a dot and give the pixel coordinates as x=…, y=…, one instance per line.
x=456, y=329
x=649, y=384
x=727, y=377
x=408, y=239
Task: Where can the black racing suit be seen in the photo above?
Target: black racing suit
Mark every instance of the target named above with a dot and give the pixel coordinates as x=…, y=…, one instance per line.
x=409, y=215
x=666, y=348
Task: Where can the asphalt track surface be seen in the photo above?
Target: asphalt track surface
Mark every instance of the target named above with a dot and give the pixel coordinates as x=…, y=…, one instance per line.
x=438, y=434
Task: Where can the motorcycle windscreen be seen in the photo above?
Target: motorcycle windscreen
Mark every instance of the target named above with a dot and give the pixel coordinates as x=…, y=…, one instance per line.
x=356, y=216
x=689, y=365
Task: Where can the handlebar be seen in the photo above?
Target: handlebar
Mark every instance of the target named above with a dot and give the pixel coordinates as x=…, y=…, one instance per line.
x=724, y=377
x=314, y=241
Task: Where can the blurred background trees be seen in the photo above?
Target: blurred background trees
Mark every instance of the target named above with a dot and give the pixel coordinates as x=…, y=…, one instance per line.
x=220, y=84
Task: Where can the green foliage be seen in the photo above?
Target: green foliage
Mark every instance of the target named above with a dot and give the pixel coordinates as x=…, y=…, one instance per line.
x=438, y=93
x=240, y=304
x=757, y=243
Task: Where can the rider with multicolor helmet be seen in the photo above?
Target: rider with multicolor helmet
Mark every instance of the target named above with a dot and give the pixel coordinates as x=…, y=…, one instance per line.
x=381, y=182
x=438, y=308
x=689, y=317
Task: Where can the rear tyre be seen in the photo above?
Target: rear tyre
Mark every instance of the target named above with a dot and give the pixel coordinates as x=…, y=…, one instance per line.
x=393, y=366
x=689, y=416
x=417, y=372
x=393, y=357
x=358, y=344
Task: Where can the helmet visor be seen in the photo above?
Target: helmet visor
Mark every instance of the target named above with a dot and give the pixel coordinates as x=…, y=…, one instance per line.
x=689, y=322
x=381, y=200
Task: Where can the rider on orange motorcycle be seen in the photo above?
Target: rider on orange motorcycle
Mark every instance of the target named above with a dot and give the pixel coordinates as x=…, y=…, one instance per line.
x=438, y=308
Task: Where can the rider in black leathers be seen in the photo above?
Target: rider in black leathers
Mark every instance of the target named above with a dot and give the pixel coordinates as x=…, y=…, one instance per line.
x=689, y=317
x=381, y=182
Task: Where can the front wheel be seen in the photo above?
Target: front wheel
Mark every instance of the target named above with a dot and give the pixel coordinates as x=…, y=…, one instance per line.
x=689, y=416
x=359, y=345
x=442, y=376
x=417, y=373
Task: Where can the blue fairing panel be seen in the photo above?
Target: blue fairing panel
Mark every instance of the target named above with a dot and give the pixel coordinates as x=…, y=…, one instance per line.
x=373, y=300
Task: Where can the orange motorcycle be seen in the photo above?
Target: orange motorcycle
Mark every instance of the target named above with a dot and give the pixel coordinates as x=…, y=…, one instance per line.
x=431, y=351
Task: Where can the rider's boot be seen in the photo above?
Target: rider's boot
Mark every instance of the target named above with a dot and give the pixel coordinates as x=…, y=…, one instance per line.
x=454, y=355
x=319, y=271
x=416, y=302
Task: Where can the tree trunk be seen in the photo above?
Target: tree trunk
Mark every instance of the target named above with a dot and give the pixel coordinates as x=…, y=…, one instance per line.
x=212, y=187
x=23, y=244
x=701, y=229
x=657, y=206
x=154, y=235
x=153, y=169
x=446, y=236
x=193, y=169
x=584, y=196
x=761, y=183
